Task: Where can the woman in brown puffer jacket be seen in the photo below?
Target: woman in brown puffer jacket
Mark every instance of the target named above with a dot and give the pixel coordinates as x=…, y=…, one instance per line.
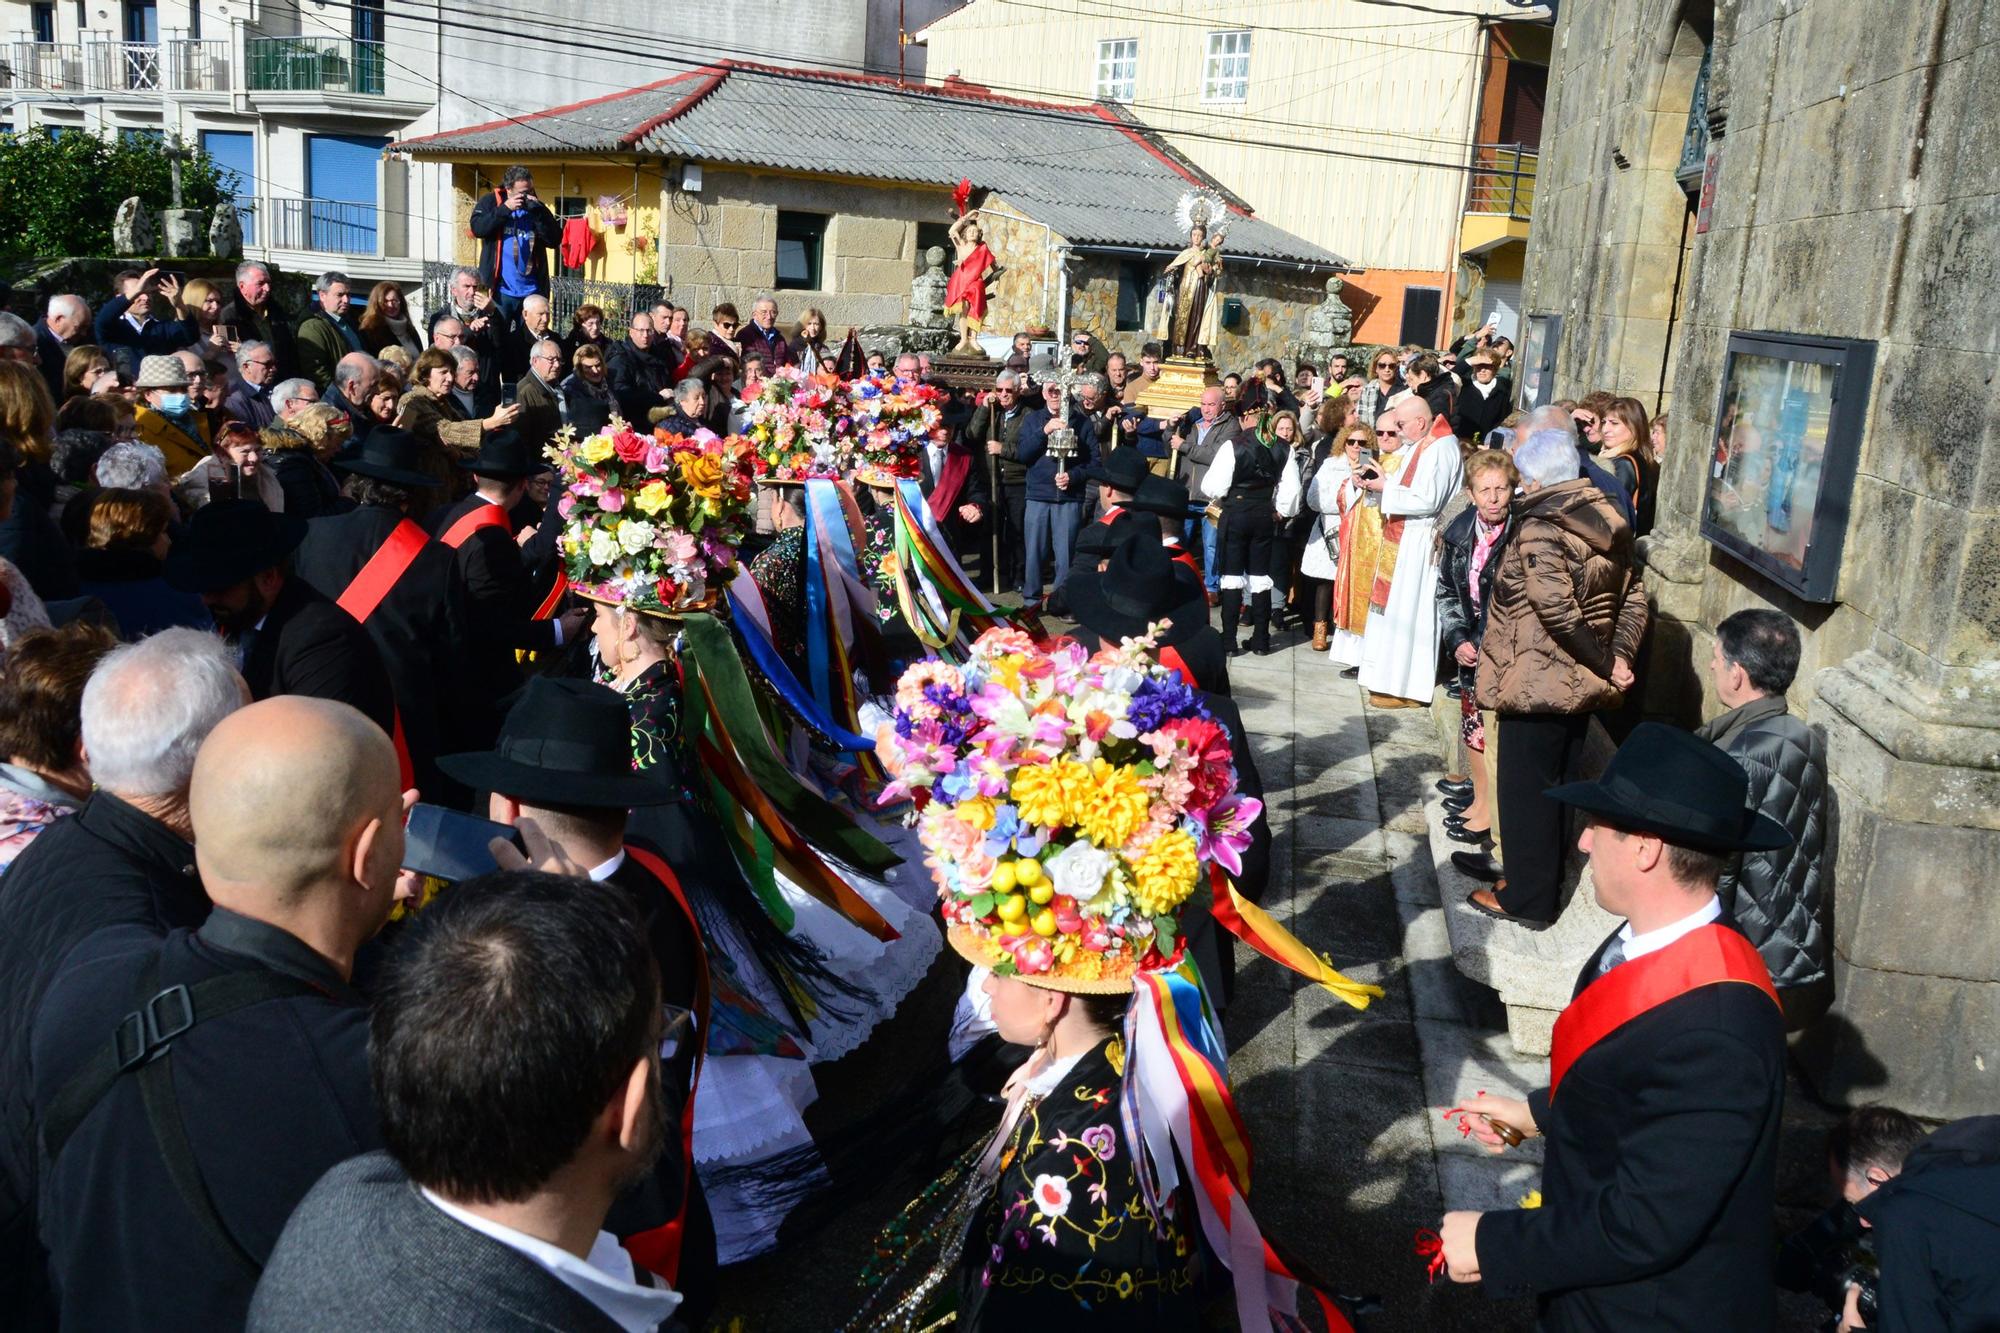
x=1567, y=616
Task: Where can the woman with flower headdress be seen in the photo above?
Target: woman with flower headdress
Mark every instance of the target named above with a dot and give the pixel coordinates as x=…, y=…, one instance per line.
x=653, y=524
x=1075, y=806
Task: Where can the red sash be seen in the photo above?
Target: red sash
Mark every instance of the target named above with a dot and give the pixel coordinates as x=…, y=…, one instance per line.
x=392, y=559
x=364, y=593
x=1708, y=956
x=1183, y=556
x=1111, y=512
x=485, y=515
x=949, y=482
x=548, y=606
x=659, y=1250
x=1171, y=658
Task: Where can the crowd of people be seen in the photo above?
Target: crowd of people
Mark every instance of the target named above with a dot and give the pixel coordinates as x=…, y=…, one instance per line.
x=410, y=916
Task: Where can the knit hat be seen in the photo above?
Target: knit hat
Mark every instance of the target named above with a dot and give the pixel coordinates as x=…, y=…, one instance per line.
x=162, y=372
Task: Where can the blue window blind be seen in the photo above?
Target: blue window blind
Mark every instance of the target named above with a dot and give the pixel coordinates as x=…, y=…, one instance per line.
x=340, y=177
x=235, y=151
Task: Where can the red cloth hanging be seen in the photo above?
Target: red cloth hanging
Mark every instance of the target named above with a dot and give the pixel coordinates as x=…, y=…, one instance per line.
x=577, y=241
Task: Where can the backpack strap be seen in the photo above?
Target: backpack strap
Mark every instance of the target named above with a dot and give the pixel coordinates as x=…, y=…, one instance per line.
x=139, y=1045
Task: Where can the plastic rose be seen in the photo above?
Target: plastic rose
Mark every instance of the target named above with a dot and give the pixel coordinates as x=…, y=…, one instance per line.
x=1078, y=870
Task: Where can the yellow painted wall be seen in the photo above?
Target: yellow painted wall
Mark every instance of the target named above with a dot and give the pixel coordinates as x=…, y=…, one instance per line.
x=1396, y=85
x=623, y=254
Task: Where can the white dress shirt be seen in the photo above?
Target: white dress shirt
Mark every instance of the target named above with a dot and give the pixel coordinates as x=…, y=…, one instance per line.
x=604, y=1279
x=1638, y=946
x=600, y=873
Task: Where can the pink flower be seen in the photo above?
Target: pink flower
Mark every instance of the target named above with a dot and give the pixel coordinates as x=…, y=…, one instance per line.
x=1222, y=834
x=611, y=501
x=678, y=547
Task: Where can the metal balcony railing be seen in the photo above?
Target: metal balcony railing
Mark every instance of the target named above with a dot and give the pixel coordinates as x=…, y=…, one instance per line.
x=56, y=67
x=1503, y=181
x=315, y=65
x=179, y=65
x=330, y=226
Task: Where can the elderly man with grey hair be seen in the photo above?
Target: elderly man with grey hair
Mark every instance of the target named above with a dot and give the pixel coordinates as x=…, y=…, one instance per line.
x=65, y=325
x=538, y=393
x=354, y=379
x=470, y=302
x=518, y=343
x=131, y=466
x=994, y=435
x=257, y=372
x=762, y=336
x=126, y=860
x=257, y=317
x=293, y=397
x=1563, y=626
x=17, y=338
x=468, y=384
x=329, y=331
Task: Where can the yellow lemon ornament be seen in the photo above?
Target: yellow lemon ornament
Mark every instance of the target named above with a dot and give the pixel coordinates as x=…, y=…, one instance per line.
x=1042, y=892
x=1013, y=907
x=1045, y=922
x=1003, y=877
x=1027, y=871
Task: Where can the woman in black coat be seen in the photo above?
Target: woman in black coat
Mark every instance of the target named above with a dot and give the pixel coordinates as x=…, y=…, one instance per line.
x=1482, y=402
x=1468, y=558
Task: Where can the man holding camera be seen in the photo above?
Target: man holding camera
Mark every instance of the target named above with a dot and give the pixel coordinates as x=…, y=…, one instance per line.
x=516, y=231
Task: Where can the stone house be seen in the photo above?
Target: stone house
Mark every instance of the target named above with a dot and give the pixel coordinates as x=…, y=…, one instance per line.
x=826, y=189
x=1821, y=168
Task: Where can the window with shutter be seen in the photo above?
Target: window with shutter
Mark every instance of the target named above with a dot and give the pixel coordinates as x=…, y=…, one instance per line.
x=235, y=151
x=341, y=172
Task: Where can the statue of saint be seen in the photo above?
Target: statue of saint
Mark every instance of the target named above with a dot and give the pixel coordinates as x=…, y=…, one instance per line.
x=1185, y=320
x=967, y=295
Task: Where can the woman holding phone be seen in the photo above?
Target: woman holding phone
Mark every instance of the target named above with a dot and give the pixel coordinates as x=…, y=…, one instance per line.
x=1355, y=515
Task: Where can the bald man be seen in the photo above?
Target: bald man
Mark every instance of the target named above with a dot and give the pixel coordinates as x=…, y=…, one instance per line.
x=179, y=1173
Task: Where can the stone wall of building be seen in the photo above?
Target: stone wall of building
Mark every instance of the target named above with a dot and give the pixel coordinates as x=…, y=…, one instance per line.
x=1856, y=195
x=1275, y=304
x=722, y=244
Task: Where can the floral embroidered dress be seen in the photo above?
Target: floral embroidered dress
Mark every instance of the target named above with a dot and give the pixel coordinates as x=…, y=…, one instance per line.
x=1064, y=1241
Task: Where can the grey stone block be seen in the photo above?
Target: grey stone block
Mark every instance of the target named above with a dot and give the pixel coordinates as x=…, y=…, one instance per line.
x=1929, y=1045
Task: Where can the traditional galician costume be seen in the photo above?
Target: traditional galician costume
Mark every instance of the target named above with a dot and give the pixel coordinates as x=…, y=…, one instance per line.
x=1066, y=848
x=809, y=949
x=1400, y=644
x=1666, y=1087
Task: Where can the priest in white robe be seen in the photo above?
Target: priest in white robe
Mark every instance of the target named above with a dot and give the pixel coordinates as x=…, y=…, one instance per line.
x=1400, y=643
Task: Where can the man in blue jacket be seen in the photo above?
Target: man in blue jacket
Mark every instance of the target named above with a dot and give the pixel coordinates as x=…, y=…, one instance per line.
x=1055, y=489
x=515, y=231
x=141, y=320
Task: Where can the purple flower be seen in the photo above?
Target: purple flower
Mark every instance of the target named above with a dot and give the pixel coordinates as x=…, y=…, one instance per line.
x=1156, y=701
x=1101, y=1140
x=1223, y=833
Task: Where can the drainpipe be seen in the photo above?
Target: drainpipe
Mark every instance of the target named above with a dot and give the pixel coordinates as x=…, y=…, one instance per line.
x=1062, y=300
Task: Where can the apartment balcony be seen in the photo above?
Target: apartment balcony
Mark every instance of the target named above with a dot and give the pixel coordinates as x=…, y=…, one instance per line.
x=1500, y=197
x=315, y=65
x=181, y=66
x=324, y=226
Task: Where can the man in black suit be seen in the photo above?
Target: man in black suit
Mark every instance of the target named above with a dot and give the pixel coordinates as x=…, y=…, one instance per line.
x=404, y=588
x=994, y=435
x=507, y=608
x=287, y=637
x=571, y=808
x=181, y=1167
x=507, y=1108
x=961, y=505
x=1667, y=1075
x=640, y=380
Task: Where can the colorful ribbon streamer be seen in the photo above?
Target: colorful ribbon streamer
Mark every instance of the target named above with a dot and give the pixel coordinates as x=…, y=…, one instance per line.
x=1254, y=926
x=1183, y=1106
x=770, y=663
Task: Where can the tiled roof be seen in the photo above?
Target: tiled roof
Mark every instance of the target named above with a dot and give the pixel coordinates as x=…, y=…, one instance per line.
x=1094, y=176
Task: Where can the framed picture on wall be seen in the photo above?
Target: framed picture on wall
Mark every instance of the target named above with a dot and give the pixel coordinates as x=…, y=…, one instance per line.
x=1781, y=465
x=1541, y=335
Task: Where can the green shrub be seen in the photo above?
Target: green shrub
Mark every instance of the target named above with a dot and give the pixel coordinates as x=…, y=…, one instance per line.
x=58, y=194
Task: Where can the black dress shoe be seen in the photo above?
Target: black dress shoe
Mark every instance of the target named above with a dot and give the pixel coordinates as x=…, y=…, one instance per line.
x=1463, y=787
x=1458, y=805
x=1349, y=673
x=1479, y=865
x=1452, y=690
x=1459, y=834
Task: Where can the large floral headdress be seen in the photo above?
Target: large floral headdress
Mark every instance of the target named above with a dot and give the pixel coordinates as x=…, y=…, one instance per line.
x=1069, y=804
x=799, y=425
x=892, y=420
x=652, y=522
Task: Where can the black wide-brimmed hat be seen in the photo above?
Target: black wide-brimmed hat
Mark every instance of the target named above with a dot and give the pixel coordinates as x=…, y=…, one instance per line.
x=566, y=743
x=1671, y=782
x=388, y=454
x=229, y=541
x=506, y=455
x=1140, y=585
x=1157, y=495
x=1122, y=469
